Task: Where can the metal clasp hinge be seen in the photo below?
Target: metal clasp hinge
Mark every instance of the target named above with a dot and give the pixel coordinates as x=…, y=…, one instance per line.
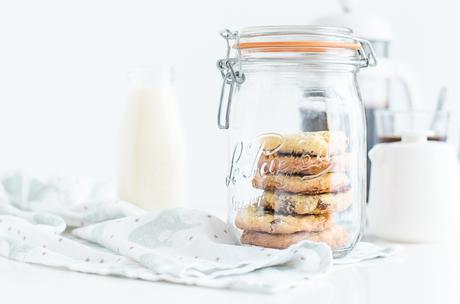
x=367, y=52
x=230, y=75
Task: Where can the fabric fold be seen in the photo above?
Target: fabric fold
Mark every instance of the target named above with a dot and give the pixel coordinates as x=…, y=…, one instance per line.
x=38, y=219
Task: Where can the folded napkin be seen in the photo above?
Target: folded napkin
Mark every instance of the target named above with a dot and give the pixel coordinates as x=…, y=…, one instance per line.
x=177, y=245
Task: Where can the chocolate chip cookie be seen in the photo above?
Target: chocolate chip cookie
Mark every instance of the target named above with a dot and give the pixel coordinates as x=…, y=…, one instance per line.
x=325, y=183
x=321, y=143
x=302, y=165
x=289, y=203
x=336, y=237
x=255, y=218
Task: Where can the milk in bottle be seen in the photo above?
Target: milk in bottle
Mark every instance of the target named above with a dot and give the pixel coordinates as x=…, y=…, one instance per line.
x=152, y=171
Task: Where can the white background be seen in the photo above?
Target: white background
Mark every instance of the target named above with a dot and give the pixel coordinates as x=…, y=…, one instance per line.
x=63, y=72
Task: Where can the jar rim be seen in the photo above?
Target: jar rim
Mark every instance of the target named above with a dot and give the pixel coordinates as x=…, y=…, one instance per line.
x=311, y=43
x=269, y=30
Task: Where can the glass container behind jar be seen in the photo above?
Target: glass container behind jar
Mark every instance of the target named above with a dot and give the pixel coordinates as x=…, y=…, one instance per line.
x=297, y=147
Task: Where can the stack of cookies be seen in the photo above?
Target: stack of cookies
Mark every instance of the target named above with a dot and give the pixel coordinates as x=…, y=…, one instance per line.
x=304, y=178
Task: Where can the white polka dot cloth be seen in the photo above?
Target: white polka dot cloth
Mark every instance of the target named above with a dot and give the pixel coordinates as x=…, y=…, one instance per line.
x=177, y=245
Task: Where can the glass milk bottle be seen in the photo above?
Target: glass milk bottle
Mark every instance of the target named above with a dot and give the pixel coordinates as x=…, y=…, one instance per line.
x=152, y=173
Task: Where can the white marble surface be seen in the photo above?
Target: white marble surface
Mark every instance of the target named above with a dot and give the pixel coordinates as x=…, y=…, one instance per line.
x=421, y=274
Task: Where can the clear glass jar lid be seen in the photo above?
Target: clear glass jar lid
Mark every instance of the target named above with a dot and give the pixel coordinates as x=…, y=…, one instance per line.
x=318, y=44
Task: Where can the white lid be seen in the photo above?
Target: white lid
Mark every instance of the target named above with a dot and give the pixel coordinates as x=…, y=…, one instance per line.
x=413, y=144
x=364, y=26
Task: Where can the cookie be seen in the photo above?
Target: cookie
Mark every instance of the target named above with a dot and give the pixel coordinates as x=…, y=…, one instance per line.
x=255, y=218
x=321, y=143
x=325, y=183
x=304, y=165
x=288, y=203
x=336, y=237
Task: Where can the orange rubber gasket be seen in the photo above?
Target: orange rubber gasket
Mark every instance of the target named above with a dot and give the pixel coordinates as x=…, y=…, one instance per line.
x=297, y=46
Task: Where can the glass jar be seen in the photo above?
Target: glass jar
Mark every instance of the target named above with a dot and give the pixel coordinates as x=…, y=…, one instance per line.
x=297, y=135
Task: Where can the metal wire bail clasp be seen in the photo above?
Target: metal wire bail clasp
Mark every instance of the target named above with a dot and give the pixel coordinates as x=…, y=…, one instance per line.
x=230, y=75
x=367, y=52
